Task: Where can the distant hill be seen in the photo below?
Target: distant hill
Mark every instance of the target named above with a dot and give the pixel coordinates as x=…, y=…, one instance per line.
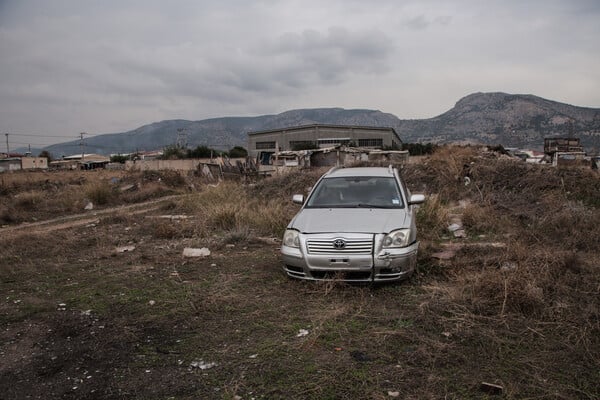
x=488, y=118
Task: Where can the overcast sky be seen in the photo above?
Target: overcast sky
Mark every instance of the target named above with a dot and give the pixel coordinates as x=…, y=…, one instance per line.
x=70, y=66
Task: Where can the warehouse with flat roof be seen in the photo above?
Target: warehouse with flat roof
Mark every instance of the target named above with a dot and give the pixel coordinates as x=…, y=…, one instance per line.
x=263, y=144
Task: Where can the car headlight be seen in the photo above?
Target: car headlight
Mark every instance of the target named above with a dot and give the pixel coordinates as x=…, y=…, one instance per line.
x=291, y=238
x=397, y=238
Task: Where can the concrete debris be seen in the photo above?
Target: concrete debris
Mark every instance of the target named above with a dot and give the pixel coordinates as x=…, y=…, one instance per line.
x=128, y=188
x=193, y=252
x=454, y=227
x=268, y=240
x=124, y=249
x=302, y=332
x=459, y=233
x=202, y=365
x=89, y=206
x=444, y=255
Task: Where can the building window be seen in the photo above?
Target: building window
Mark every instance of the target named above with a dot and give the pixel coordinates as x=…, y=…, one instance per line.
x=333, y=142
x=265, y=145
x=370, y=142
x=302, y=144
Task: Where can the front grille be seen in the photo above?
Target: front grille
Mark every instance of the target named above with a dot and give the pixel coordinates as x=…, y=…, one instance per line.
x=351, y=246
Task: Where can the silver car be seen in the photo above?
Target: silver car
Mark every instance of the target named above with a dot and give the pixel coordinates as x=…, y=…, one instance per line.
x=357, y=224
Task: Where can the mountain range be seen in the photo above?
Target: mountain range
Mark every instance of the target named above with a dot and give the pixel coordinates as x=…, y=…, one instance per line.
x=512, y=120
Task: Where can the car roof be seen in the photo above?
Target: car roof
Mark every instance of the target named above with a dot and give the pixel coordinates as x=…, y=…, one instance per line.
x=360, y=171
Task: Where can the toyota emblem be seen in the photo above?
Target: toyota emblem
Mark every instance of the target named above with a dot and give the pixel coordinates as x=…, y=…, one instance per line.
x=339, y=244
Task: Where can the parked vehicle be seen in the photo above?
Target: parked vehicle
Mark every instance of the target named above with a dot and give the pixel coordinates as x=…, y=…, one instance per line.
x=357, y=224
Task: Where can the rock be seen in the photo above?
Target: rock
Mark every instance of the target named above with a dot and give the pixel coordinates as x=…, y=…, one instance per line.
x=202, y=365
x=302, y=332
x=127, y=188
x=194, y=252
x=124, y=249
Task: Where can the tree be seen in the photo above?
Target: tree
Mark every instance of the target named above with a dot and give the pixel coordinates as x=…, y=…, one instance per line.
x=203, y=152
x=118, y=158
x=173, y=152
x=47, y=154
x=238, y=152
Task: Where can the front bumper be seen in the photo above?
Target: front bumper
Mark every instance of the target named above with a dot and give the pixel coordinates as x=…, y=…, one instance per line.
x=374, y=265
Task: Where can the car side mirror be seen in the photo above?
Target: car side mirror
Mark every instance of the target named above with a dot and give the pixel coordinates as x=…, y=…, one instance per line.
x=416, y=199
x=298, y=199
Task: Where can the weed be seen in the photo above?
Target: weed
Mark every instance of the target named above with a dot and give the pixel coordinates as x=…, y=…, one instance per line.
x=99, y=192
x=432, y=218
x=29, y=200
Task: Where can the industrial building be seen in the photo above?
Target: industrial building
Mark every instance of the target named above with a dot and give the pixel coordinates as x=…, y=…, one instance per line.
x=263, y=144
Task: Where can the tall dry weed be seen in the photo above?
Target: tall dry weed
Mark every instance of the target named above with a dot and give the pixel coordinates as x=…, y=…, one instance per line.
x=99, y=192
x=432, y=218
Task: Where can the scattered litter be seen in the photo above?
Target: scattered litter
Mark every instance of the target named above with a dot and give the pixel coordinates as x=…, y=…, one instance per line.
x=491, y=388
x=302, y=332
x=508, y=266
x=193, y=252
x=447, y=334
x=152, y=302
x=124, y=249
x=393, y=394
x=253, y=356
x=62, y=307
x=230, y=245
x=268, y=240
x=467, y=181
x=169, y=216
x=86, y=312
x=89, y=206
x=444, y=255
x=202, y=365
x=454, y=227
x=460, y=233
x=127, y=188
x=213, y=265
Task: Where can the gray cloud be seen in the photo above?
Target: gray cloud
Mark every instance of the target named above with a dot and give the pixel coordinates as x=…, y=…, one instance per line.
x=70, y=66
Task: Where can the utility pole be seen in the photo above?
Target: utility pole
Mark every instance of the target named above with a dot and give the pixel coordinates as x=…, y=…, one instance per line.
x=7, y=149
x=82, y=146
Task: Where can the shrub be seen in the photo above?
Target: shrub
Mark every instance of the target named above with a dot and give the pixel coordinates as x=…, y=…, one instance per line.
x=99, y=192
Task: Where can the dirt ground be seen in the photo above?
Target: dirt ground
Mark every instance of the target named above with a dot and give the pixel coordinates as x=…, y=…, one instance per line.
x=103, y=305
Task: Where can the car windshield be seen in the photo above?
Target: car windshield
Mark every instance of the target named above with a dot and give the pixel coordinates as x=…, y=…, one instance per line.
x=359, y=191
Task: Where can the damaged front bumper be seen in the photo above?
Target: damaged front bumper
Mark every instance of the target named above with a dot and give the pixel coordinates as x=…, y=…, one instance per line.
x=379, y=265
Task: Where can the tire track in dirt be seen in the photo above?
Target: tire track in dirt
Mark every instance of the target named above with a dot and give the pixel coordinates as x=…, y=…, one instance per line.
x=83, y=219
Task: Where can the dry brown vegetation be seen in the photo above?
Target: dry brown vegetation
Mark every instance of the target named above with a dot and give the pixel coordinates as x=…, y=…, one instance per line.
x=518, y=305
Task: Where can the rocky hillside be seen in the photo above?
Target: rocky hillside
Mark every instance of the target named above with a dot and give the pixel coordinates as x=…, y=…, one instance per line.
x=510, y=120
x=490, y=118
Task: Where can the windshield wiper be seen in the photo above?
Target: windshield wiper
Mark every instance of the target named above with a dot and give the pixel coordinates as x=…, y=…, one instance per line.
x=366, y=205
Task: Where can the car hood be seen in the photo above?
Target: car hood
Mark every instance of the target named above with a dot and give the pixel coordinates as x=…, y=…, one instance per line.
x=359, y=220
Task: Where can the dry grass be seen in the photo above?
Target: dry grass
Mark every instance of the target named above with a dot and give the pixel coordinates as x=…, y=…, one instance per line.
x=524, y=316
